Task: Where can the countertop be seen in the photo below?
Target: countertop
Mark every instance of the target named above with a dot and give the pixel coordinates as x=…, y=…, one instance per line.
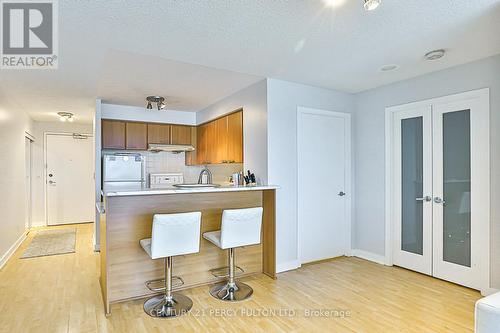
x=136, y=191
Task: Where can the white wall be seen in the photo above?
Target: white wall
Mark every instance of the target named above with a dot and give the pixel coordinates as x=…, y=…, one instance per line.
x=13, y=125
x=282, y=101
x=134, y=113
x=253, y=100
x=370, y=146
x=38, y=171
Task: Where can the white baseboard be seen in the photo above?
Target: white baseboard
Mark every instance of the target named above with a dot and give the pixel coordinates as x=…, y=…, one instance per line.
x=377, y=258
x=12, y=249
x=287, y=266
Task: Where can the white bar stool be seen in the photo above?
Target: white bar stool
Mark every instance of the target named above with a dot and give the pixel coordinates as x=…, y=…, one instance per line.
x=172, y=235
x=240, y=227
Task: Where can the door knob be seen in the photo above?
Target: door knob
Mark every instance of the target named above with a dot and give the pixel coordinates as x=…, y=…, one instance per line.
x=438, y=200
x=426, y=198
x=341, y=193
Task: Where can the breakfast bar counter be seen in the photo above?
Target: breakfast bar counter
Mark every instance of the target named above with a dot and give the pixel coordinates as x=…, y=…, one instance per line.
x=127, y=218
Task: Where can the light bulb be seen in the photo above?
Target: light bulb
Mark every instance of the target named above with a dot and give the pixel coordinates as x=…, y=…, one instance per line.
x=372, y=4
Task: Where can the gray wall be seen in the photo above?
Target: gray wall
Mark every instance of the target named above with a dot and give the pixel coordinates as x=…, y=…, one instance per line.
x=369, y=146
x=14, y=122
x=283, y=98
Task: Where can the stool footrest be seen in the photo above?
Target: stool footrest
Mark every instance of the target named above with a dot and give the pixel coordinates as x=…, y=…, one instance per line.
x=159, y=284
x=221, y=272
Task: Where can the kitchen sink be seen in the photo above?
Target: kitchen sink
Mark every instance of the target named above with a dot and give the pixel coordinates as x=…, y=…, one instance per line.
x=188, y=186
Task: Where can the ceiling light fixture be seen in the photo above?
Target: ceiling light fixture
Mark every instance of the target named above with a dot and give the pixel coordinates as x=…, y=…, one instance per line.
x=372, y=4
x=159, y=100
x=66, y=116
x=388, y=68
x=435, y=55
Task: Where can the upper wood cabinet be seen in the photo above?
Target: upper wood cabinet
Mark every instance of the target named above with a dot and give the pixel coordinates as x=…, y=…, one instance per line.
x=136, y=136
x=180, y=134
x=216, y=142
x=159, y=133
x=235, y=137
x=221, y=140
x=113, y=134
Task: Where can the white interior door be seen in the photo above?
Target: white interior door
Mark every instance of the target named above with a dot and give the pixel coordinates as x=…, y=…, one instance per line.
x=461, y=191
x=413, y=189
x=28, y=182
x=69, y=176
x=440, y=188
x=323, y=184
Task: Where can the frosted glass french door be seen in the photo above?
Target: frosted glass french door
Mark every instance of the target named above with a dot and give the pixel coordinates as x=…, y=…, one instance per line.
x=441, y=191
x=413, y=189
x=460, y=192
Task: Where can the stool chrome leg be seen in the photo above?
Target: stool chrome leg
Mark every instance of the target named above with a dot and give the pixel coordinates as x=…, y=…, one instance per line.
x=231, y=290
x=169, y=304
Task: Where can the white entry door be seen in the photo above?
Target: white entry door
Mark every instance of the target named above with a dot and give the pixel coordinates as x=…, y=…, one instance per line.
x=323, y=140
x=70, y=179
x=440, y=192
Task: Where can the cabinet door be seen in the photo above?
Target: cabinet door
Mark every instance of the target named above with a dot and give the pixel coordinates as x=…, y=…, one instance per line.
x=113, y=134
x=220, y=143
x=136, y=136
x=180, y=134
x=235, y=137
x=159, y=133
x=201, y=144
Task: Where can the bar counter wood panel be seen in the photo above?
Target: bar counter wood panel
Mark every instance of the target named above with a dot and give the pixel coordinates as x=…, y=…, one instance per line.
x=126, y=267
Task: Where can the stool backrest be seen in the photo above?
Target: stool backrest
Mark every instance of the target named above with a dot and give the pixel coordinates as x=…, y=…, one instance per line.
x=241, y=227
x=175, y=234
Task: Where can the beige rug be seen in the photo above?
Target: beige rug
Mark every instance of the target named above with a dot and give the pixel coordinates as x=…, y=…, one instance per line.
x=51, y=242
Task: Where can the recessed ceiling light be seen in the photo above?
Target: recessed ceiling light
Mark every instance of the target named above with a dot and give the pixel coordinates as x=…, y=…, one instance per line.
x=333, y=3
x=65, y=116
x=372, y=4
x=388, y=68
x=435, y=55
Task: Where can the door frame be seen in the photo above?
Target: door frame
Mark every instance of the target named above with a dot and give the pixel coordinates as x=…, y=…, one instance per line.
x=45, y=176
x=349, y=197
x=29, y=219
x=483, y=96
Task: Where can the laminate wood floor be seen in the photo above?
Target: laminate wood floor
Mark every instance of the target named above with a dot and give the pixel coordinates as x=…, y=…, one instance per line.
x=62, y=294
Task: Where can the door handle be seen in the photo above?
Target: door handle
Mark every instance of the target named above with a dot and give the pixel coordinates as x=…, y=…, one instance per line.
x=438, y=200
x=51, y=182
x=426, y=199
x=341, y=194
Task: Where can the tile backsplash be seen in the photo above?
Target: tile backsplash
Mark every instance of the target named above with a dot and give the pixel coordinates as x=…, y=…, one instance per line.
x=166, y=162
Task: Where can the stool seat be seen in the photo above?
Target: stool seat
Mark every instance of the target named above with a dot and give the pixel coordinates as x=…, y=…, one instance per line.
x=488, y=314
x=239, y=227
x=171, y=235
x=213, y=237
x=146, y=245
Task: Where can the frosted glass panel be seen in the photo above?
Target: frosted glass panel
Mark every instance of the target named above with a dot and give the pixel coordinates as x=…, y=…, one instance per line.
x=412, y=185
x=456, y=188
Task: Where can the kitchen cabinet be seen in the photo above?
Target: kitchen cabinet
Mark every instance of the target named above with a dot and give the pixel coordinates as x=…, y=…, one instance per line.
x=234, y=149
x=180, y=134
x=136, y=136
x=113, y=134
x=159, y=133
x=221, y=140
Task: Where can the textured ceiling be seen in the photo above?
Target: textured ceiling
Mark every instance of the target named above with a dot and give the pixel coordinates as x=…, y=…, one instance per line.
x=118, y=50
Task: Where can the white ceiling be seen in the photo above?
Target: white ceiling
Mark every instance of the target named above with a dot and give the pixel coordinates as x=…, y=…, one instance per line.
x=118, y=50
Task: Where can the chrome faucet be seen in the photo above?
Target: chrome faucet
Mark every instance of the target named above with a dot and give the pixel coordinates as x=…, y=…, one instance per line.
x=208, y=173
